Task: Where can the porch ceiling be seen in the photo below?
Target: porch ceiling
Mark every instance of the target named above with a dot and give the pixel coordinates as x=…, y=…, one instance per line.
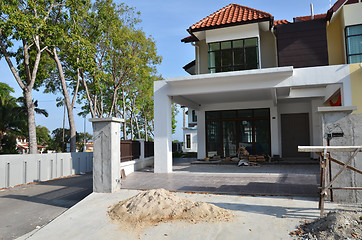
x=235, y=96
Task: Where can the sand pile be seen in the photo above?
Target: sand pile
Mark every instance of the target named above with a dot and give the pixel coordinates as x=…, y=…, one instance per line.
x=158, y=205
x=336, y=225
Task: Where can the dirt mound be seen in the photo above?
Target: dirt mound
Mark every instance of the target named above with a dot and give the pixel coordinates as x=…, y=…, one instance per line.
x=158, y=205
x=336, y=225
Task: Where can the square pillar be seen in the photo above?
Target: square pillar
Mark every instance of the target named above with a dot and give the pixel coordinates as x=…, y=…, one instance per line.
x=163, y=128
x=106, y=154
x=142, y=148
x=201, y=135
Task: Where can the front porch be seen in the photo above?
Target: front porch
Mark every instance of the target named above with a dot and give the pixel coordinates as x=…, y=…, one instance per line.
x=271, y=179
x=267, y=111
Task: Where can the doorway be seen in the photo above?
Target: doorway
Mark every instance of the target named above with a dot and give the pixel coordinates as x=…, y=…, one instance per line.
x=295, y=132
x=228, y=130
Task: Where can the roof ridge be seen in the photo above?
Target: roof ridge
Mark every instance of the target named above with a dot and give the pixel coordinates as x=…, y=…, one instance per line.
x=225, y=11
x=221, y=9
x=250, y=8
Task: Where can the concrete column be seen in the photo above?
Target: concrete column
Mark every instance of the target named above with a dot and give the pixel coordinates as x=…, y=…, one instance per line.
x=142, y=148
x=274, y=131
x=201, y=134
x=163, y=128
x=106, y=154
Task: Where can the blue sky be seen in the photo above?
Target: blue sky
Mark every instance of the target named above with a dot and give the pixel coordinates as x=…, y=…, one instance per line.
x=166, y=22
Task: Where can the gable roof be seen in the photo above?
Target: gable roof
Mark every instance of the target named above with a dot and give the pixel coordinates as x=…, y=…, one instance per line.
x=231, y=15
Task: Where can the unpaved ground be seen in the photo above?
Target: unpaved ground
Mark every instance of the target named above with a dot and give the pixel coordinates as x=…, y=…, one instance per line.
x=159, y=205
x=336, y=225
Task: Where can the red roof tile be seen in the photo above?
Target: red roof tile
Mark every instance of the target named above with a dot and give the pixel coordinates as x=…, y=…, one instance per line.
x=230, y=15
x=309, y=17
x=280, y=22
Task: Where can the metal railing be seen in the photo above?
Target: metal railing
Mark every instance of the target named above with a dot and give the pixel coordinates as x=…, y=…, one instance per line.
x=131, y=150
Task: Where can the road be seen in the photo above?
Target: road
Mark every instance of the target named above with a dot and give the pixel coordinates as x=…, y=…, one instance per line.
x=23, y=208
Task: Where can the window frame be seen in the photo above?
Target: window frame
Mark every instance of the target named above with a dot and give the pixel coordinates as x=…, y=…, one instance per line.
x=346, y=42
x=193, y=116
x=188, y=141
x=232, y=49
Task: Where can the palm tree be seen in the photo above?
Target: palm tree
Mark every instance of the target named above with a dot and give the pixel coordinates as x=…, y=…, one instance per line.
x=22, y=103
x=12, y=121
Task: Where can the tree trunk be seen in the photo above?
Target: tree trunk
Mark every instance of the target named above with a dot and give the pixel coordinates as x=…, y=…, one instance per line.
x=31, y=123
x=146, y=130
x=137, y=127
x=69, y=105
x=124, y=115
x=132, y=137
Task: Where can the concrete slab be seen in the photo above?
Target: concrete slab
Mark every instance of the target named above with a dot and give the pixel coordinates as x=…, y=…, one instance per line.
x=276, y=180
x=256, y=218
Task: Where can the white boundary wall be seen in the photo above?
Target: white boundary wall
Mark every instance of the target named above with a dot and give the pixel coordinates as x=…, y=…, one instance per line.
x=19, y=169
x=134, y=165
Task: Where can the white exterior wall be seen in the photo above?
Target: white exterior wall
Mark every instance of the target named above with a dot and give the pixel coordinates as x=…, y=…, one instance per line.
x=203, y=55
x=352, y=14
x=268, y=49
x=232, y=33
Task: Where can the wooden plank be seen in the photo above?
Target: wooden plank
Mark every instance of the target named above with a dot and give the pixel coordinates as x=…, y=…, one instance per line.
x=323, y=183
x=342, y=164
x=346, y=188
x=341, y=170
x=329, y=148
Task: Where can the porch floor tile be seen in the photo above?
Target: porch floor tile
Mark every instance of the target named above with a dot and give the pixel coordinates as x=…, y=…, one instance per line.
x=279, y=180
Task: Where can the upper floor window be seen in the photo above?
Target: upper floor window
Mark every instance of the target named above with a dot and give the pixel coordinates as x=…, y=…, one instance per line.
x=194, y=116
x=233, y=55
x=354, y=43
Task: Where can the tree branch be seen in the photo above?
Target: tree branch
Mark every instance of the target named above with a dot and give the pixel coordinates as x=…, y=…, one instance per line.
x=12, y=68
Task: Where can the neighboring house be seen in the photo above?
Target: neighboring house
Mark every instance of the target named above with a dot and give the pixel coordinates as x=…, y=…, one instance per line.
x=259, y=83
x=189, y=130
x=22, y=146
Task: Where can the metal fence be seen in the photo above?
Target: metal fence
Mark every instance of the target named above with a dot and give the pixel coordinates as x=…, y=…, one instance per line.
x=131, y=150
x=149, y=149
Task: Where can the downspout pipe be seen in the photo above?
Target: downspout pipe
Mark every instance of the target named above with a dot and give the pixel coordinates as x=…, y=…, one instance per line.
x=197, y=56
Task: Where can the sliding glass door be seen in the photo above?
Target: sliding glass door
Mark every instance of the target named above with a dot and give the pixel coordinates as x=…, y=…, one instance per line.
x=226, y=131
x=229, y=138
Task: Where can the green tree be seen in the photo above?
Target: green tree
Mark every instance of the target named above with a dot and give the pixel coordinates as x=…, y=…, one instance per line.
x=174, y=111
x=22, y=26
x=42, y=135
x=12, y=122
x=59, y=145
x=125, y=59
x=66, y=48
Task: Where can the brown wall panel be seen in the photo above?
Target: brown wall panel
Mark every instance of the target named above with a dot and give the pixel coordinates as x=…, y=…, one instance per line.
x=302, y=44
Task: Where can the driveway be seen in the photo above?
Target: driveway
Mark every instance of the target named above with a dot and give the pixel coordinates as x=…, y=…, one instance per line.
x=276, y=179
x=27, y=207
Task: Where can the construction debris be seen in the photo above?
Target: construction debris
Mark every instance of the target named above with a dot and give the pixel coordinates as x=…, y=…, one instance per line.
x=336, y=225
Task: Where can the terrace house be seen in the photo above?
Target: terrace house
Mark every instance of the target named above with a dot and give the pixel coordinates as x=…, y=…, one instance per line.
x=260, y=83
